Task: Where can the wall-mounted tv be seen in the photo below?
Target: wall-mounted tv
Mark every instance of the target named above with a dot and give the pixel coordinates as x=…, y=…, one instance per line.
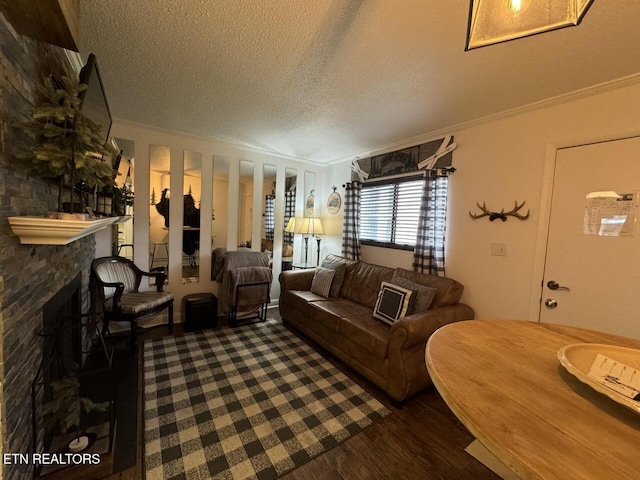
x=94, y=100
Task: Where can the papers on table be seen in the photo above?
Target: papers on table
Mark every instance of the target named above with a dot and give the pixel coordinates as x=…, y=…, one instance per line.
x=617, y=376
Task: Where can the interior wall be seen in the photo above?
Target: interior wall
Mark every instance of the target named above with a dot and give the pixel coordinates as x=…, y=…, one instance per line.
x=225, y=201
x=500, y=162
x=332, y=176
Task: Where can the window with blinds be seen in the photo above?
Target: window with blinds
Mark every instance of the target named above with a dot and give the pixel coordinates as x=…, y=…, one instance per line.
x=389, y=213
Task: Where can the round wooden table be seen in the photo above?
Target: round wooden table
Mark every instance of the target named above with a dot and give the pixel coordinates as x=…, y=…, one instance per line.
x=503, y=380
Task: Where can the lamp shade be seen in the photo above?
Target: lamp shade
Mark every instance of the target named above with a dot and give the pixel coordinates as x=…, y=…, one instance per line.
x=311, y=226
x=495, y=21
x=291, y=225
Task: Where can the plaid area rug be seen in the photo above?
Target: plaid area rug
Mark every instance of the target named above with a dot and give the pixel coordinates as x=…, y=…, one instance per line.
x=244, y=402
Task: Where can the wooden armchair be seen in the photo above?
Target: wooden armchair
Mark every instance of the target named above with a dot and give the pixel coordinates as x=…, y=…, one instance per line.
x=116, y=282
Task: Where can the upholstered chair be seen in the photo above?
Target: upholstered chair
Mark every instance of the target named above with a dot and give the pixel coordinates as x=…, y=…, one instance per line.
x=116, y=282
x=244, y=285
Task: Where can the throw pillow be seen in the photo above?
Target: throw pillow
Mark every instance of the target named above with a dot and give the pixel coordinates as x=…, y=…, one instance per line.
x=340, y=269
x=322, y=279
x=422, y=296
x=392, y=304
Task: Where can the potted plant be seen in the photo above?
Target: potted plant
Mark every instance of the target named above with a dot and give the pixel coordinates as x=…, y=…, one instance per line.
x=64, y=409
x=69, y=145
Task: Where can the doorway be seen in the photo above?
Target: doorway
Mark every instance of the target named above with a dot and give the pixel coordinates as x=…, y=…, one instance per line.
x=591, y=272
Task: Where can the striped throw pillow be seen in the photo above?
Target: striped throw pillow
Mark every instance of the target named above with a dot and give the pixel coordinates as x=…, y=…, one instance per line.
x=322, y=279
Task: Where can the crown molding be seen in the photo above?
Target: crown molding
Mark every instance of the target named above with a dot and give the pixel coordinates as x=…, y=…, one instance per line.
x=546, y=103
x=216, y=140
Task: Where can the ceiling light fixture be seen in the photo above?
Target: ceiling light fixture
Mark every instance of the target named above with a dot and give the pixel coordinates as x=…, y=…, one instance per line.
x=496, y=21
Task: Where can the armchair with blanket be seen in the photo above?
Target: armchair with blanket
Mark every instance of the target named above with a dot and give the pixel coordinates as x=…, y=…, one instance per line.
x=244, y=279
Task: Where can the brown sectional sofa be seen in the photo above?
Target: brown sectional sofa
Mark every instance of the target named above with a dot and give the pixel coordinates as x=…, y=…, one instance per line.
x=391, y=356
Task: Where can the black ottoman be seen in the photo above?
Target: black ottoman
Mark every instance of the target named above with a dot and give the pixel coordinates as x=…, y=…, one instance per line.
x=201, y=311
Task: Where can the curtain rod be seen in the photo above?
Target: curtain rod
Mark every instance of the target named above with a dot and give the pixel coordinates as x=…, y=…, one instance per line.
x=415, y=173
x=444, y=172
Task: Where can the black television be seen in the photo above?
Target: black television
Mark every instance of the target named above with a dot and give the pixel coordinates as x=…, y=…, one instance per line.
x=93, y=100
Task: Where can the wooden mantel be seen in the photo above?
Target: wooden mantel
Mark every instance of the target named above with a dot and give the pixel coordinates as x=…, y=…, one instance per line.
x=52, y=21
x=53, y=231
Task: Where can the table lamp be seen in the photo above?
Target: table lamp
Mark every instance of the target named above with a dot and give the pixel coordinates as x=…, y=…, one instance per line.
x=291, y=225
x=310, y=226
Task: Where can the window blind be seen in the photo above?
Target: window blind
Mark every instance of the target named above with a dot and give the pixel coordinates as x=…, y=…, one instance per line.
x=389, y=213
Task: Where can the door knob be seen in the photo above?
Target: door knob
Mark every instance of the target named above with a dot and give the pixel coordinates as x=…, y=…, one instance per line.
x=551, y=303
x=553, y=285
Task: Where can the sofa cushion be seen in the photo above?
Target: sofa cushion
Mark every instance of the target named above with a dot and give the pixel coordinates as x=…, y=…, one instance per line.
x=339, y=264
x=392, y=304
x=366, y=332
x=341, y=308
x=448, y=291
x=322, y=280
x=421, y=295
x=330, y=312
x=337, y=259
x=301, y=299
x=362, y=283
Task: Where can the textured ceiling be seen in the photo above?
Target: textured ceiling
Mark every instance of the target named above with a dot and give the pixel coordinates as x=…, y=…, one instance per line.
x=330, y=79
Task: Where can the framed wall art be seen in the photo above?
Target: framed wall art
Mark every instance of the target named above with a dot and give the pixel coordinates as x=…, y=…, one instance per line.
x=309, y=205
x=334, y=202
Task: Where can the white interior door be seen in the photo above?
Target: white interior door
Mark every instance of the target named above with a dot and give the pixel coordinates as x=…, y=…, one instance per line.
x=597, y=268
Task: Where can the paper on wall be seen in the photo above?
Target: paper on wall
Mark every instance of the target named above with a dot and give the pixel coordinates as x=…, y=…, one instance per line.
x=610, y=214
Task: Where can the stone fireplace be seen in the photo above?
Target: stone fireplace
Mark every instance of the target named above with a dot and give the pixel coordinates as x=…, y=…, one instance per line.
x=29, y=283
x=30, y=275
x=45, y=271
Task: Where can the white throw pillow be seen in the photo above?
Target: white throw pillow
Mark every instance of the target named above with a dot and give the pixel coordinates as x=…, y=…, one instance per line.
x=392, y=303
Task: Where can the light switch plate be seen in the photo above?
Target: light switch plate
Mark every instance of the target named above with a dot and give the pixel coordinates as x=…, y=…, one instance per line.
x=499, y=249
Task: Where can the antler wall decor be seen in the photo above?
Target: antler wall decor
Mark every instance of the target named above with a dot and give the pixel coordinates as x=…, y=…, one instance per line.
x=502, y=215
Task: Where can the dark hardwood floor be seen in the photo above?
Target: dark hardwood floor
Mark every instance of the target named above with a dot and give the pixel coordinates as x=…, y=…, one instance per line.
x=421, y=439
